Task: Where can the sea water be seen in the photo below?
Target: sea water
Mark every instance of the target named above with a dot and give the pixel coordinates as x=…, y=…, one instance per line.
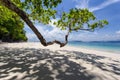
x=109, y=46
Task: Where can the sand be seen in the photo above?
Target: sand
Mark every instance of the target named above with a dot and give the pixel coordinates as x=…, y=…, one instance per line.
x=32, y=61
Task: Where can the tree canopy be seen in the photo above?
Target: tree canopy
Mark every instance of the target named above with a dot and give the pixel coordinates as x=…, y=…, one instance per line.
x=11, y=26
x=44, y=10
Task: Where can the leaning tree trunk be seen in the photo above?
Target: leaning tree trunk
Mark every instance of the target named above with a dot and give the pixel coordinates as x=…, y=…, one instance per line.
x=22, y=14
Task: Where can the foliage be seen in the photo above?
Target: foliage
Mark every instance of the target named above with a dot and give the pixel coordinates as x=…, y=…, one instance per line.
x=40, y=10
x=76, y=19
x=79, y=19
x=11, y=27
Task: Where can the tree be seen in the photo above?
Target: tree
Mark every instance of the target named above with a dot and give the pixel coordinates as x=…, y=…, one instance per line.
x=43, y=11
x=11, y=26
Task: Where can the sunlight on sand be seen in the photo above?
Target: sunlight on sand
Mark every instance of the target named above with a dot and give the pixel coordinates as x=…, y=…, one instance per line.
x=31, y=61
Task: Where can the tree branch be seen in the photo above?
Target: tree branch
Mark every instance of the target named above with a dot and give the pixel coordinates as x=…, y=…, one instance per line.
x=60, y=43
x=86, y=29
x=83, y=29
x=22, y=14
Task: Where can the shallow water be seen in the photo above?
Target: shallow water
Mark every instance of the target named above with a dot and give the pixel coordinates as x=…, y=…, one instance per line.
x=109, y=46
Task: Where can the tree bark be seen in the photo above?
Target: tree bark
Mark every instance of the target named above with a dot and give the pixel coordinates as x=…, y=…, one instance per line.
x=22, y=14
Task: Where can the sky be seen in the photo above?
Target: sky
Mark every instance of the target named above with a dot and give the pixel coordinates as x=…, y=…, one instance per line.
x=102, y=9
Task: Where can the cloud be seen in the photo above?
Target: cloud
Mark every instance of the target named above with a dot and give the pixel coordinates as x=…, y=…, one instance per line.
x=85, y=4
x=56, y=33
x=31, y=37
x=118, y=32
x=103, y=5
x=82, y=3
x=84, y=36
x=93, y=36
x=50, y=32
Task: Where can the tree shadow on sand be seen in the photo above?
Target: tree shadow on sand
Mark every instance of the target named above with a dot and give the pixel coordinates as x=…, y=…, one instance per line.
x=43, y=64
x=94, y=60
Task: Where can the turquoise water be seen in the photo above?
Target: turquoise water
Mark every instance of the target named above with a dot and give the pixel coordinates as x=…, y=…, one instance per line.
x=109, y=46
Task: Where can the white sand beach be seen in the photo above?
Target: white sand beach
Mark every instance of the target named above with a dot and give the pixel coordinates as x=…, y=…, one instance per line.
x=32, y=61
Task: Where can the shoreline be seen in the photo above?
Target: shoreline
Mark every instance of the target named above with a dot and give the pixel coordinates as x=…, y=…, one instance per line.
x=54, y=47
x=91, y=50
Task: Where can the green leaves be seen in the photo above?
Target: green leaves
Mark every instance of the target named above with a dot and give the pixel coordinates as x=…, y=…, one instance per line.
x=43, y=11
x=40, y=10
x=11, y=25
x=99, y=24
x=51, y=3
x=78, y=19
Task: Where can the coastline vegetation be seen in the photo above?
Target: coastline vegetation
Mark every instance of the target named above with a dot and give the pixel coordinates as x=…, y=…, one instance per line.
x=11, y=26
